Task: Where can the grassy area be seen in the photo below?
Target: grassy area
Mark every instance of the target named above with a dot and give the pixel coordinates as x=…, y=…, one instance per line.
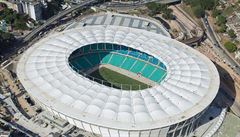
x=117, y=80
x=228, y=11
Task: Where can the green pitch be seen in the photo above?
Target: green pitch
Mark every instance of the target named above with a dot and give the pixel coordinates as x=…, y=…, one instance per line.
x=118, y=80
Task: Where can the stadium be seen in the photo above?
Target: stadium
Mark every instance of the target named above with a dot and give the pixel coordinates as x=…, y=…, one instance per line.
x=120, y=82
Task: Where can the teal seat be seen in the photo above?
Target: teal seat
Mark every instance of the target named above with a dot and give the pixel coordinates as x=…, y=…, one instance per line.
x=94, y=47
x=117, y=60
x=93, y=58
x=137, y=67
x=147, y=71
x=76, y=65
x=104, y=57
x=82, y=63
x=109, y=47
x=101, y=46
x=127, y=64
x=158, y=75
x=86, y=49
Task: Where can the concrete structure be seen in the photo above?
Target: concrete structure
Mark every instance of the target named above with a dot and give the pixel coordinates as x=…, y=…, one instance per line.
x=121, y=20
x=237, y=54
x=233, y=22
x=171, y=108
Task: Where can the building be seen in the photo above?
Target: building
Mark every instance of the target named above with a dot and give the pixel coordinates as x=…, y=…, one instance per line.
x=233, y=22
x=170, y=108
x=13, y=4
x=33, y=9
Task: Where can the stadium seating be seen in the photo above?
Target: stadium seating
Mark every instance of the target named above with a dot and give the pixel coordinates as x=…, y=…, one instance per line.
x=120, y=56
x=148, y=70
x=116, y=60
x=157, y=75
x=137, y=67
x=127, y=64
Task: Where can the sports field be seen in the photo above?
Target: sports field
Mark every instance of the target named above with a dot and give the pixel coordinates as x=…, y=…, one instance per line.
x=118, y=80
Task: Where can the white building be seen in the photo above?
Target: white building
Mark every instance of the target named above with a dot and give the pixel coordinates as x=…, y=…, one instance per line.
x=171, y=108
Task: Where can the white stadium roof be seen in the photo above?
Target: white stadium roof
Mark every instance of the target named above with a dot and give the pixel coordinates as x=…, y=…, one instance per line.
x=191, y=84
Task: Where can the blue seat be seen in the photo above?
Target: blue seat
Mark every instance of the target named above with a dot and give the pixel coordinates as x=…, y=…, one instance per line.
x=116, y=47
x=133, y=54
x=144, y=56
x=153, y=60
x=161, y=65
x=124, y=48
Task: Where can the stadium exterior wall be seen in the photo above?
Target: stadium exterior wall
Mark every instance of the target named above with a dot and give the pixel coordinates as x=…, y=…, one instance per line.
x=182, y=129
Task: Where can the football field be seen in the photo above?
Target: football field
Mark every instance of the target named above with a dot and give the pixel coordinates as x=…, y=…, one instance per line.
x=118, y=80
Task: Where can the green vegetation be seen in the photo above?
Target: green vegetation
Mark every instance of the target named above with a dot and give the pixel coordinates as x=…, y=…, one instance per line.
x=228, y=11
x=117, y=79
x=222, y=28
x=199, y=6
x=16, y=20
x=232, y=34
x=5, y=39
x=221, y=20
x=231, y=47
x=157, y=8
x=216, y=12
x=198, y=11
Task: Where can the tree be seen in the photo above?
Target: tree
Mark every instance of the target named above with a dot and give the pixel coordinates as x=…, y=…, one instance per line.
x=231, y=33
x=6, y=39
x=221, y=20
x=222, y=28
x=216, y=12
x=231, y=47
x=156, y=8
x=207, y=4
x=198, y=11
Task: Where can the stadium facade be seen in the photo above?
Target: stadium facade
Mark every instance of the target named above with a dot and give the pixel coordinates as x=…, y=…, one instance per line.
x=170, y=108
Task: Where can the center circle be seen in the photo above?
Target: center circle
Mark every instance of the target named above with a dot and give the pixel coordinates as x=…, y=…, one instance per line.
x=117, y=66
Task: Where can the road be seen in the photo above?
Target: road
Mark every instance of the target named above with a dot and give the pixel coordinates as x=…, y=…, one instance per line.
x=218, y=48
x=19, y=128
